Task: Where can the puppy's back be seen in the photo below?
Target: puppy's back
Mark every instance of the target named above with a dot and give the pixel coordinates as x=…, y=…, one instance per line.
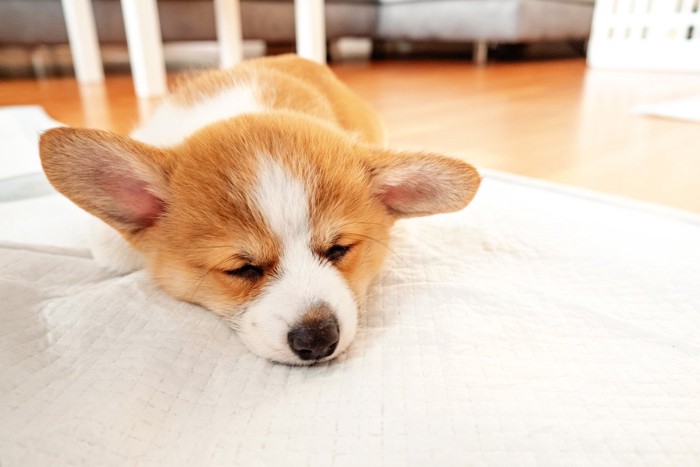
x=288, y=82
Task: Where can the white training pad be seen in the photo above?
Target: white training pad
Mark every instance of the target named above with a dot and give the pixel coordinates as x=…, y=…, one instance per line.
x=540, y=326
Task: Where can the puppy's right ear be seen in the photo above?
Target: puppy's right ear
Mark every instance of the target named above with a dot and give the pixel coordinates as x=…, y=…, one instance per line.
x=120, y=180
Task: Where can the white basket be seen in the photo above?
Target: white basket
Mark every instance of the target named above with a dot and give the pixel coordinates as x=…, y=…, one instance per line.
x=659, y=35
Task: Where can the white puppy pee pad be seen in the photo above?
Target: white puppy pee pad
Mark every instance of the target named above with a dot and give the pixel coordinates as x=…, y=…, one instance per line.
x=540, y=326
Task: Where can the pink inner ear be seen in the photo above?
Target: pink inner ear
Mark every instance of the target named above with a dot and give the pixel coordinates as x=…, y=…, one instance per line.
x=410, y=195
x=138, y=205
x=397, y=196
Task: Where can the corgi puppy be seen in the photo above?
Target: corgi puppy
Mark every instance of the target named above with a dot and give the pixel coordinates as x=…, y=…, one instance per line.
x=263, y=193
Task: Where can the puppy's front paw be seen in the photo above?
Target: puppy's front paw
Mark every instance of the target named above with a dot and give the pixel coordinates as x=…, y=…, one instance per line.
x=110, y=250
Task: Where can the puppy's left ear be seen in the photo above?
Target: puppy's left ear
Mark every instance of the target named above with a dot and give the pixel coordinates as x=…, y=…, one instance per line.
x=418, y=184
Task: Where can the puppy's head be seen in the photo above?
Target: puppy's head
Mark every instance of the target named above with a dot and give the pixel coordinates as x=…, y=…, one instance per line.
x=276, y=223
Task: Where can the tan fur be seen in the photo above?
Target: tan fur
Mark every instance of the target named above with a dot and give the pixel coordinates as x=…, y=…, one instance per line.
x=318, y=315
x=316, y=128
x=294, y=84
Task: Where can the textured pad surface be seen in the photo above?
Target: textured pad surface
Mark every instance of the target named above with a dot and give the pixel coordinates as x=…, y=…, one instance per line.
x=538, y=327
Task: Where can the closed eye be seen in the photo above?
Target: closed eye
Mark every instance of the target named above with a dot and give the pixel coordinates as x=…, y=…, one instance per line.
x=247, y=272
x=337, y=252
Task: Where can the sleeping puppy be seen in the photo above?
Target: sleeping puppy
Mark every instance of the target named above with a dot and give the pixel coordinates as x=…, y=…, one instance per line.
x=262, y=193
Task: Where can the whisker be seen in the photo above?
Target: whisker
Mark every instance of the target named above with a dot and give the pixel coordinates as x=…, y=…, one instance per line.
x=233, y=323
x=198, y=283
x=361, y=222
x=206, y=247
x=380, y=243
x=201, y=278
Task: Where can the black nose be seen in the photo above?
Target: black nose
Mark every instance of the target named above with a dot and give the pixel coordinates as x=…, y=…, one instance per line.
x=315, y=339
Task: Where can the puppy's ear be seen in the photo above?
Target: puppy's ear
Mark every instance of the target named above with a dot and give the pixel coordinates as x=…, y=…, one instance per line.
x=120, y=180
x=418, y=184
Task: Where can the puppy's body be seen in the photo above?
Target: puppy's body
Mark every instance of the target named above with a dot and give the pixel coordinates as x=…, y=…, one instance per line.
x=261, y=193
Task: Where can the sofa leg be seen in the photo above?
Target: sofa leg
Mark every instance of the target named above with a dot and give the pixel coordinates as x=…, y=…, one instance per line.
x=41, y=62
x=481, y=52
x=350, y=48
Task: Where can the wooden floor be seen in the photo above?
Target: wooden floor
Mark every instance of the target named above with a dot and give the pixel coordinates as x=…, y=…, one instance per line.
x=552, y=119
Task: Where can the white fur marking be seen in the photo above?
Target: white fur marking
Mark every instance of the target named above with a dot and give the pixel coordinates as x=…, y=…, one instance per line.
x=283, y=201
x=303, y=279
x=173, y=123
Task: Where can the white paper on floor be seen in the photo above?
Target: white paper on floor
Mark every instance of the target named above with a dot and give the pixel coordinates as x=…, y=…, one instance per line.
x=21, y=175
x=681, y=109
x=20, y=128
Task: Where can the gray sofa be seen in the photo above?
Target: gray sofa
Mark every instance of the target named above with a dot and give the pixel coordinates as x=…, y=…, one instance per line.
x=487, y=20
x=33, y=22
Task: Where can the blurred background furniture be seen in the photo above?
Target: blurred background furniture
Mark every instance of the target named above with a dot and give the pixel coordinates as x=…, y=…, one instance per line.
x=657, y=35
x=32, y=23
x=85, y=48
x=142, y=26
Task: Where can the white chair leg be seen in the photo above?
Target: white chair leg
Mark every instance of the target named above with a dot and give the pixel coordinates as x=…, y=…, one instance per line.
x=228, y=31
x=145, y=47
x=84, y=46
x=310, y=29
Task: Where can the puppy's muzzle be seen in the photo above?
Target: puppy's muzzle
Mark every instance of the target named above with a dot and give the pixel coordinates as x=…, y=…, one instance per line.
x=316, y=335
